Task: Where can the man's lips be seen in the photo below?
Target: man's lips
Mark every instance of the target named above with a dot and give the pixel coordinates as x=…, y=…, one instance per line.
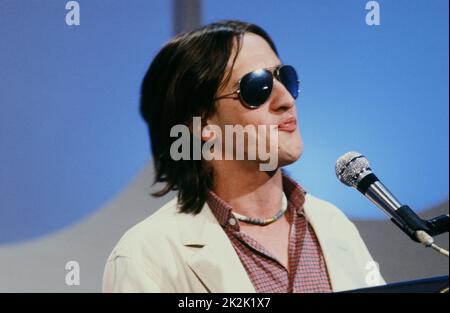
x=289, y=124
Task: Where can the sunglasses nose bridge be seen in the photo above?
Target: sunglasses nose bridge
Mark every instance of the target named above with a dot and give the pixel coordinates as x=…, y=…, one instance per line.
x=276, y=73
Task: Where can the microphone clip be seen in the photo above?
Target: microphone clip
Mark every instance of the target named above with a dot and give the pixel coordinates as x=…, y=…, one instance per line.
x=413, y=223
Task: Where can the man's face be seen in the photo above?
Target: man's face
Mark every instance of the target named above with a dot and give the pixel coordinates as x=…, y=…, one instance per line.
x=257, y=54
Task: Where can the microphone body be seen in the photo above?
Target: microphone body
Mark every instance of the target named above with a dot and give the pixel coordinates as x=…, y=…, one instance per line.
x=401, y=215
x=353, y=170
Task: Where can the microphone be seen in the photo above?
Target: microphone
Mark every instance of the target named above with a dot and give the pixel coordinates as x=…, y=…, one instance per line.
x=353, y=169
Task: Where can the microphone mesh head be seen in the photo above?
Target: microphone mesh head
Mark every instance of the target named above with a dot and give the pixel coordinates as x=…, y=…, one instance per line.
x=350, y=166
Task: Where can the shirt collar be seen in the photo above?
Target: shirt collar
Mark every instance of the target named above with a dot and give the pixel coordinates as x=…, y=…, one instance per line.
x=222, y=210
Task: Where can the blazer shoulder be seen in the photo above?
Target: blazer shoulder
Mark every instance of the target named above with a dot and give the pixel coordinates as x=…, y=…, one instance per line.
x=323, y=207
x=150, y=233
x=324, y=211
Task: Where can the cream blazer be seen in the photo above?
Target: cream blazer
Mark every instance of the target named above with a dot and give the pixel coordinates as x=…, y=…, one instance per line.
x=178, y=252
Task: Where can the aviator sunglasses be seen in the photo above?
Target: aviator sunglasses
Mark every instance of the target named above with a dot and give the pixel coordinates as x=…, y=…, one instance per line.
x=255, y=87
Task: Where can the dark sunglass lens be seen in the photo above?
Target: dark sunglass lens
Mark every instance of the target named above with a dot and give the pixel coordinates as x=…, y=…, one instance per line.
x=255, y=87
x=288, y=77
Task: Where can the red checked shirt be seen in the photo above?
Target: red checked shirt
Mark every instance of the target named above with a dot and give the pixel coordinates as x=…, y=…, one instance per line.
x=307, y=269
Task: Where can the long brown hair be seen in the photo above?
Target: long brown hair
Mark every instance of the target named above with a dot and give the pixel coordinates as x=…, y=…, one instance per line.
x=181, y=83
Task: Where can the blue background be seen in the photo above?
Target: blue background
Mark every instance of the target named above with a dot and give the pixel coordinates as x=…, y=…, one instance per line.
x=71, y=137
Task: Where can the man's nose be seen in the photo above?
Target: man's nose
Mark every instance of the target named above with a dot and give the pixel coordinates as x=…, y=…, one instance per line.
x=281, y=97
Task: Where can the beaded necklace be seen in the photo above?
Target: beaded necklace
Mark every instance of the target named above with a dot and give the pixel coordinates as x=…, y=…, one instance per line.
x=262, y=221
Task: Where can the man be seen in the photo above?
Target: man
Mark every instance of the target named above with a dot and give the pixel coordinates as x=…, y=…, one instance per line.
x=233, y=227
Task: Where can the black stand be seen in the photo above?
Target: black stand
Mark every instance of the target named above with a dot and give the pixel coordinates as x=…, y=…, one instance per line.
x=429, y=285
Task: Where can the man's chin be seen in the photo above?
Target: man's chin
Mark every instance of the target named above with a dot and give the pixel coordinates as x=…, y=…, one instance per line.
x=288, y=158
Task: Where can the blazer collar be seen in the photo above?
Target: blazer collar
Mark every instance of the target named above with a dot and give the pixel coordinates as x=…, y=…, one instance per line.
x=214, y=261
x=333, y=246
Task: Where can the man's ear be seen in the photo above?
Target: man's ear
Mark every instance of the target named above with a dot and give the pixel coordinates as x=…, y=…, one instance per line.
x=210, y=131
x=192, y=126
x=200, y=127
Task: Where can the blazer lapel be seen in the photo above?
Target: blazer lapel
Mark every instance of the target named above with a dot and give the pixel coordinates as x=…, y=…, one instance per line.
x=215, y=262
x=335, y=251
